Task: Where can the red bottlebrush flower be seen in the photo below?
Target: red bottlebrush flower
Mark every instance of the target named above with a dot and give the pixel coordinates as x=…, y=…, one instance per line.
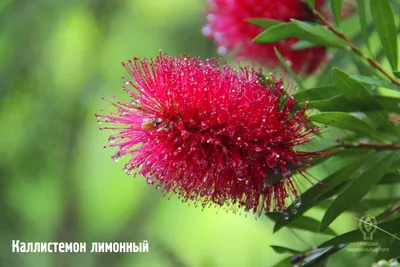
x=227, y=25
x=210, y=133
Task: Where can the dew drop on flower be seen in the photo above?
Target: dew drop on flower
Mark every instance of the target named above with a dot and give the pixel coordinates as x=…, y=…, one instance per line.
x=221, y=50
x=206, y=31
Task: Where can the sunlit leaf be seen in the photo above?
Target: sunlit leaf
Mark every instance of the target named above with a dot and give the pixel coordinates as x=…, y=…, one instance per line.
x=321, y=34
x=346, y=121
x=356, y=93
x=375, y=81
x=276, y=33
x=264, y=23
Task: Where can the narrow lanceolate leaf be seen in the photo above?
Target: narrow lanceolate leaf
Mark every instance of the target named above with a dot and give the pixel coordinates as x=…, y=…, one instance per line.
x=358, y=188
x=317, y=93
x=276, y=33
x=390, y=226
x=396, y=73
x=354, y=92
x=284, y=263
x=318, y=256
x=362, y=15
x=264, y=23
x=346, y=121
x=281, y=250
x=302, y=222
x=309, y=198
x=375, y=81
x=383, y=17
x=336, y=6
x=302, y=44
x=320, y=34
x=390, y=178
x=289, y=69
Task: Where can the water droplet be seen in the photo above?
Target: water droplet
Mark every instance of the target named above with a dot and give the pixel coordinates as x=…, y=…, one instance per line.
x=221, y=50
x=210, y=17
x=115, y=158
x=221, y=201
x=206, y=31
x=241, y=178
x=286, y=215
x=294, y=211
x=111, y=139
x=265, y=185
x=297, y=203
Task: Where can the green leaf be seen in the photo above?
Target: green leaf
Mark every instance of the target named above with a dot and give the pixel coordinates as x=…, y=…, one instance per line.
x=396, y=73
x=281, y=250
x=309, y=224
x=375, y=81
x=284, y=263
x=390, y=178
x=301, y=223
x=276, y=33
x=364, y=205
x=321, y=34
x=318, y=255
x=336, y=6
x=355, y=92
x=303, y=44
x=391, y=226
x=317, y=93
x=309, y=197
x=289, y=69
x=383, y=17
x=264, y=23
x=362, y=15
x=346, y=121
x=358, y=188
x=385, y=242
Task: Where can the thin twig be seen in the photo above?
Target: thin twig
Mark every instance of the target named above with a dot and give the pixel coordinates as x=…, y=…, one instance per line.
x=353, y=47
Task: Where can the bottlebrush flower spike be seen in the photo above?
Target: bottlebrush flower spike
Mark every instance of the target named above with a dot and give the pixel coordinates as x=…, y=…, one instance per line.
x=227, y=25
x=211, y=134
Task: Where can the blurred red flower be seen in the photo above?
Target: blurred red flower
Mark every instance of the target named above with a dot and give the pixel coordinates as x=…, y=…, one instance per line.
x=227, y=25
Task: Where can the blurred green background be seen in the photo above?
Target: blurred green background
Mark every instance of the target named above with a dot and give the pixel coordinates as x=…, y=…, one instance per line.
x=57, y=59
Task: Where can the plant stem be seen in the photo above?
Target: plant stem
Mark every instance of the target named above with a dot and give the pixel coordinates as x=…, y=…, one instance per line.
x=371, y=145
x=353, y=47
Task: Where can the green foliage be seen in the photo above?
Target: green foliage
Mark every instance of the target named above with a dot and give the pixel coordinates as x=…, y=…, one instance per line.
x=358, y=101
